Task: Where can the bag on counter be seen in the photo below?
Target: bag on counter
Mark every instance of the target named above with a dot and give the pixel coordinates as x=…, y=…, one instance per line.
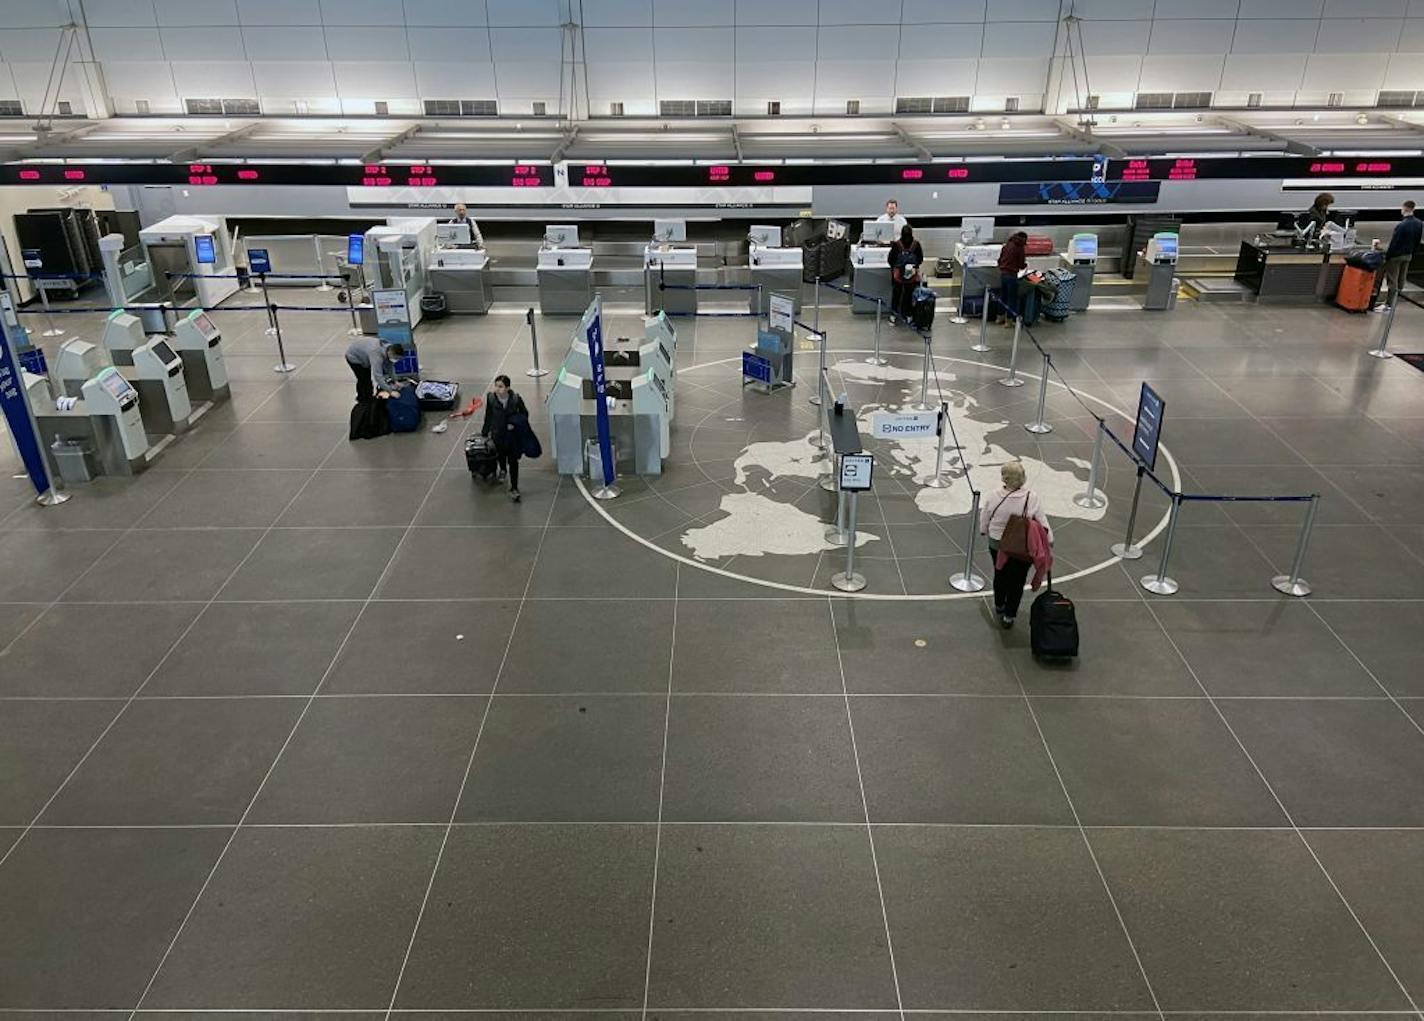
x=1038, y=244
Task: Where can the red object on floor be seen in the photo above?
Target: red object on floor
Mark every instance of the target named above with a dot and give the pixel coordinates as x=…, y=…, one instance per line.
x=1356, y=288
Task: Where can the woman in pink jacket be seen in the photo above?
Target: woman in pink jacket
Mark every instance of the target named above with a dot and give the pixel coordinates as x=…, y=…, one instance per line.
x=1010, y=499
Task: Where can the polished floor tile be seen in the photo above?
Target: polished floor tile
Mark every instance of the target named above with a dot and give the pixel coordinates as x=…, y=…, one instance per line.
x=40, y=743
x=786, y=646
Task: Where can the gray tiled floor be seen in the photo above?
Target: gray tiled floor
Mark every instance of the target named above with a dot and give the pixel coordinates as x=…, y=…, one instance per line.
x=293, y=724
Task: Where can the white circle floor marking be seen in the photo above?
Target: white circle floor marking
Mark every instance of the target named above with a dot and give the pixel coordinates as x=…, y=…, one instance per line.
x=1156, y=530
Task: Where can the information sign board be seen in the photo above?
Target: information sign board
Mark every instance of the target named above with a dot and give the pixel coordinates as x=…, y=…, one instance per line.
x=1148, y=433
x=855, y=473
x=891, y=425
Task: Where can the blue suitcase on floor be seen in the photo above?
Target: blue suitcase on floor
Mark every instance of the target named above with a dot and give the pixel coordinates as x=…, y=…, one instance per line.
x=404, y=410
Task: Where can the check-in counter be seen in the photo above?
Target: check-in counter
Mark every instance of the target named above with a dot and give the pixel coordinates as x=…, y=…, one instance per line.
x=1284, y=274
x=870, y=278
x=461, y=274
x=675, y=267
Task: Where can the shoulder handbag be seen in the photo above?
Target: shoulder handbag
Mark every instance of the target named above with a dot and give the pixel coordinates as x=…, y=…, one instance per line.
x=1014, y=542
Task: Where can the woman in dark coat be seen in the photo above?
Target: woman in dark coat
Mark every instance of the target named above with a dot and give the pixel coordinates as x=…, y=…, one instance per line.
x=1013, y=257
x=502, y=410
x=906, y=256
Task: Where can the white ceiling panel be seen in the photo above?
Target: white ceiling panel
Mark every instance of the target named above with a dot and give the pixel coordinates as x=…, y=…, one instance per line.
x=941, y=42
x=857, y=12
x=448, y=44
x=1197, y=9
x=617, y=13
x=528, y=79
x=374, y=79
x=1111, y=38
x=865, y=42
x=1114, y=74
x=213, y=78
x=936, y=77
x=923, y=12
x=1010, y=76
x=1366, y=8
x=465, y=13
x=704, y=44
x=695, y=79
x=515, y=44
x=178, y=13
x=621, y=80
x=119, y=13
x=456, y=80
x=772, y=44
x=1179, y=73
x=1281, y=8
x=289, y=79
x=7, y=83
x=129, y=44
x=35, y=13
x=296, y=42
x=1203, y=36
x=1024, y=10
x=527, y=13
x=23, y=45
x=1113, y=10
x=1337, y=72
x=1359, y=35
x=1416, y=8
x=791, y=82
x=855, y=79
x=203, y=43
x=776, y=12
x=31, y=79
x=1263, y=72
x=141, y=79
x=279, y=12
x=1019, y=39
x=361, y=12
x=1296, y=35
x=1405, y=71
x=366, y=42
x=617, y=44
x=693, y=13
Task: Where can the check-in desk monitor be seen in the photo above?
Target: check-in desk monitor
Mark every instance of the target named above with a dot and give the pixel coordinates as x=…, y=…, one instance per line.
x=877, y=232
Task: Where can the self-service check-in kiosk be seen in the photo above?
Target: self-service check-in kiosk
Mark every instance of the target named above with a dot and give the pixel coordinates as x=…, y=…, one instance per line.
x=773, y=268
x=1082, y=259
x=199, y=344
x=157, y=375
x=190, y=261
x=1161, y=257
x=105, y=415
x=75, y=363
x=123, y=333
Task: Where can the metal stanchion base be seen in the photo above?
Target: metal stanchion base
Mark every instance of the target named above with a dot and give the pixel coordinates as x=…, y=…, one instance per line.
x=53, y=499
x=284, y=367
x=1161, y=586
x=918, y=406
x=1091, y=501
x=1291, y=587
x=828, y=482
x=536, y=372
x=1011, y=381
x=835, y=536
x=53, y=331
x=872, y=360
x=323, y=287
x=271, y=331
x=815, y=399
x=1039, y=427
x=981, y=348
x=1124, y=552
x=966, y=582
x=959, y=320
x=848, y=583
x=355, y=331
x=933, y=482
x=1375, y=352
x=606, y=493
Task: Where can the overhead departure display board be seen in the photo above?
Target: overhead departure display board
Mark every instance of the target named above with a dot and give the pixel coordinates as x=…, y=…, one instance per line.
x=753, y=175
x=1077, y=193
x=1264, y=168
x=378, y=175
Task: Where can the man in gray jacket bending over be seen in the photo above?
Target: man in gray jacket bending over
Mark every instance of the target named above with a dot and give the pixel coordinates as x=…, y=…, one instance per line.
x=370, y=362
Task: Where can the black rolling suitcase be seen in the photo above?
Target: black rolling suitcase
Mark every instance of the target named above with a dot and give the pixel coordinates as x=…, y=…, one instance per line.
x=1053, y=625
x=433, y=306
x=480, y=458
x=922, y=308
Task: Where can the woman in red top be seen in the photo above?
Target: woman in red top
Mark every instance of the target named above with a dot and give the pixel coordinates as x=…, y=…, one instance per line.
x=1012, y=259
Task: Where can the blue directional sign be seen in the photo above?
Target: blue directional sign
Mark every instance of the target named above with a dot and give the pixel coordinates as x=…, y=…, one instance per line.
x=258, y=261
x=754, y=366
x=1148, y=433
x=593, y=334
x=13, y=403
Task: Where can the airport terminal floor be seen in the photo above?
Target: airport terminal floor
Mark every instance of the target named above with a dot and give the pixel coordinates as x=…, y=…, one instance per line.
x=294, y=723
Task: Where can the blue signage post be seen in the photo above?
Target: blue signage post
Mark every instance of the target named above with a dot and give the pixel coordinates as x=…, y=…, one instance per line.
x=16, y=406
x=593, y=335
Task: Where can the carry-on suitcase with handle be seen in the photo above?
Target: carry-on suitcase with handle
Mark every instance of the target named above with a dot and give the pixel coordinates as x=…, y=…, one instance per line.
x=1053, y=624
x=922, y=308
x=480, y=458
x=1056, y=309
x=1357, y=287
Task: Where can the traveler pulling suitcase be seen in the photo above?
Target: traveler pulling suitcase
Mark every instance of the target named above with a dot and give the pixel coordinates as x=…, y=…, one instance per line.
x=480, y=458
x=922, y=308
x=1357, y=287
x=404, y=410
x=1053, y=624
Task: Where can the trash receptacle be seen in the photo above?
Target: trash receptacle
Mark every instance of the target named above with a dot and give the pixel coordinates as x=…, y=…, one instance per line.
x=74, y=459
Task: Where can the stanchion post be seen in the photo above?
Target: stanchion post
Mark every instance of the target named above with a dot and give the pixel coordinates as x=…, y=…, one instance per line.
x=937, y=480
x=816, y=320
x=1127, y=549
x=282, y=364
x=848, y=580
x=1160, y=583
x=1293, y=584
x=355, y=330
x=322, y=283
x=1013, y=378
x=828, y=480
x=982, y=344
x=966, y=580
x=1381, y=351
x=533, y=346
x=875, y=359
x=267, y=301
x=1038, y=425
x=818, y=398
x=958, y=319
x=1090, y=497
x=50, y=329
x=923, y=404
x=836, y=533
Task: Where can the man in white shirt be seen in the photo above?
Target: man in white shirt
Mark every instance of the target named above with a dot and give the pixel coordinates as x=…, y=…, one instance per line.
x=462, y=215
x=892, y=215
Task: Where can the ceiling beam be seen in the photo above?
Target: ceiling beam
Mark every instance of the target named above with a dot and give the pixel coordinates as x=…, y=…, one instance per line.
x=921, y=150
x=380, y=152
x=1083, y=134
x=1400, y=122
x=564, y=145
x=46, y=139
x=1291, y=144
x=193, y=151
x=737, y=142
